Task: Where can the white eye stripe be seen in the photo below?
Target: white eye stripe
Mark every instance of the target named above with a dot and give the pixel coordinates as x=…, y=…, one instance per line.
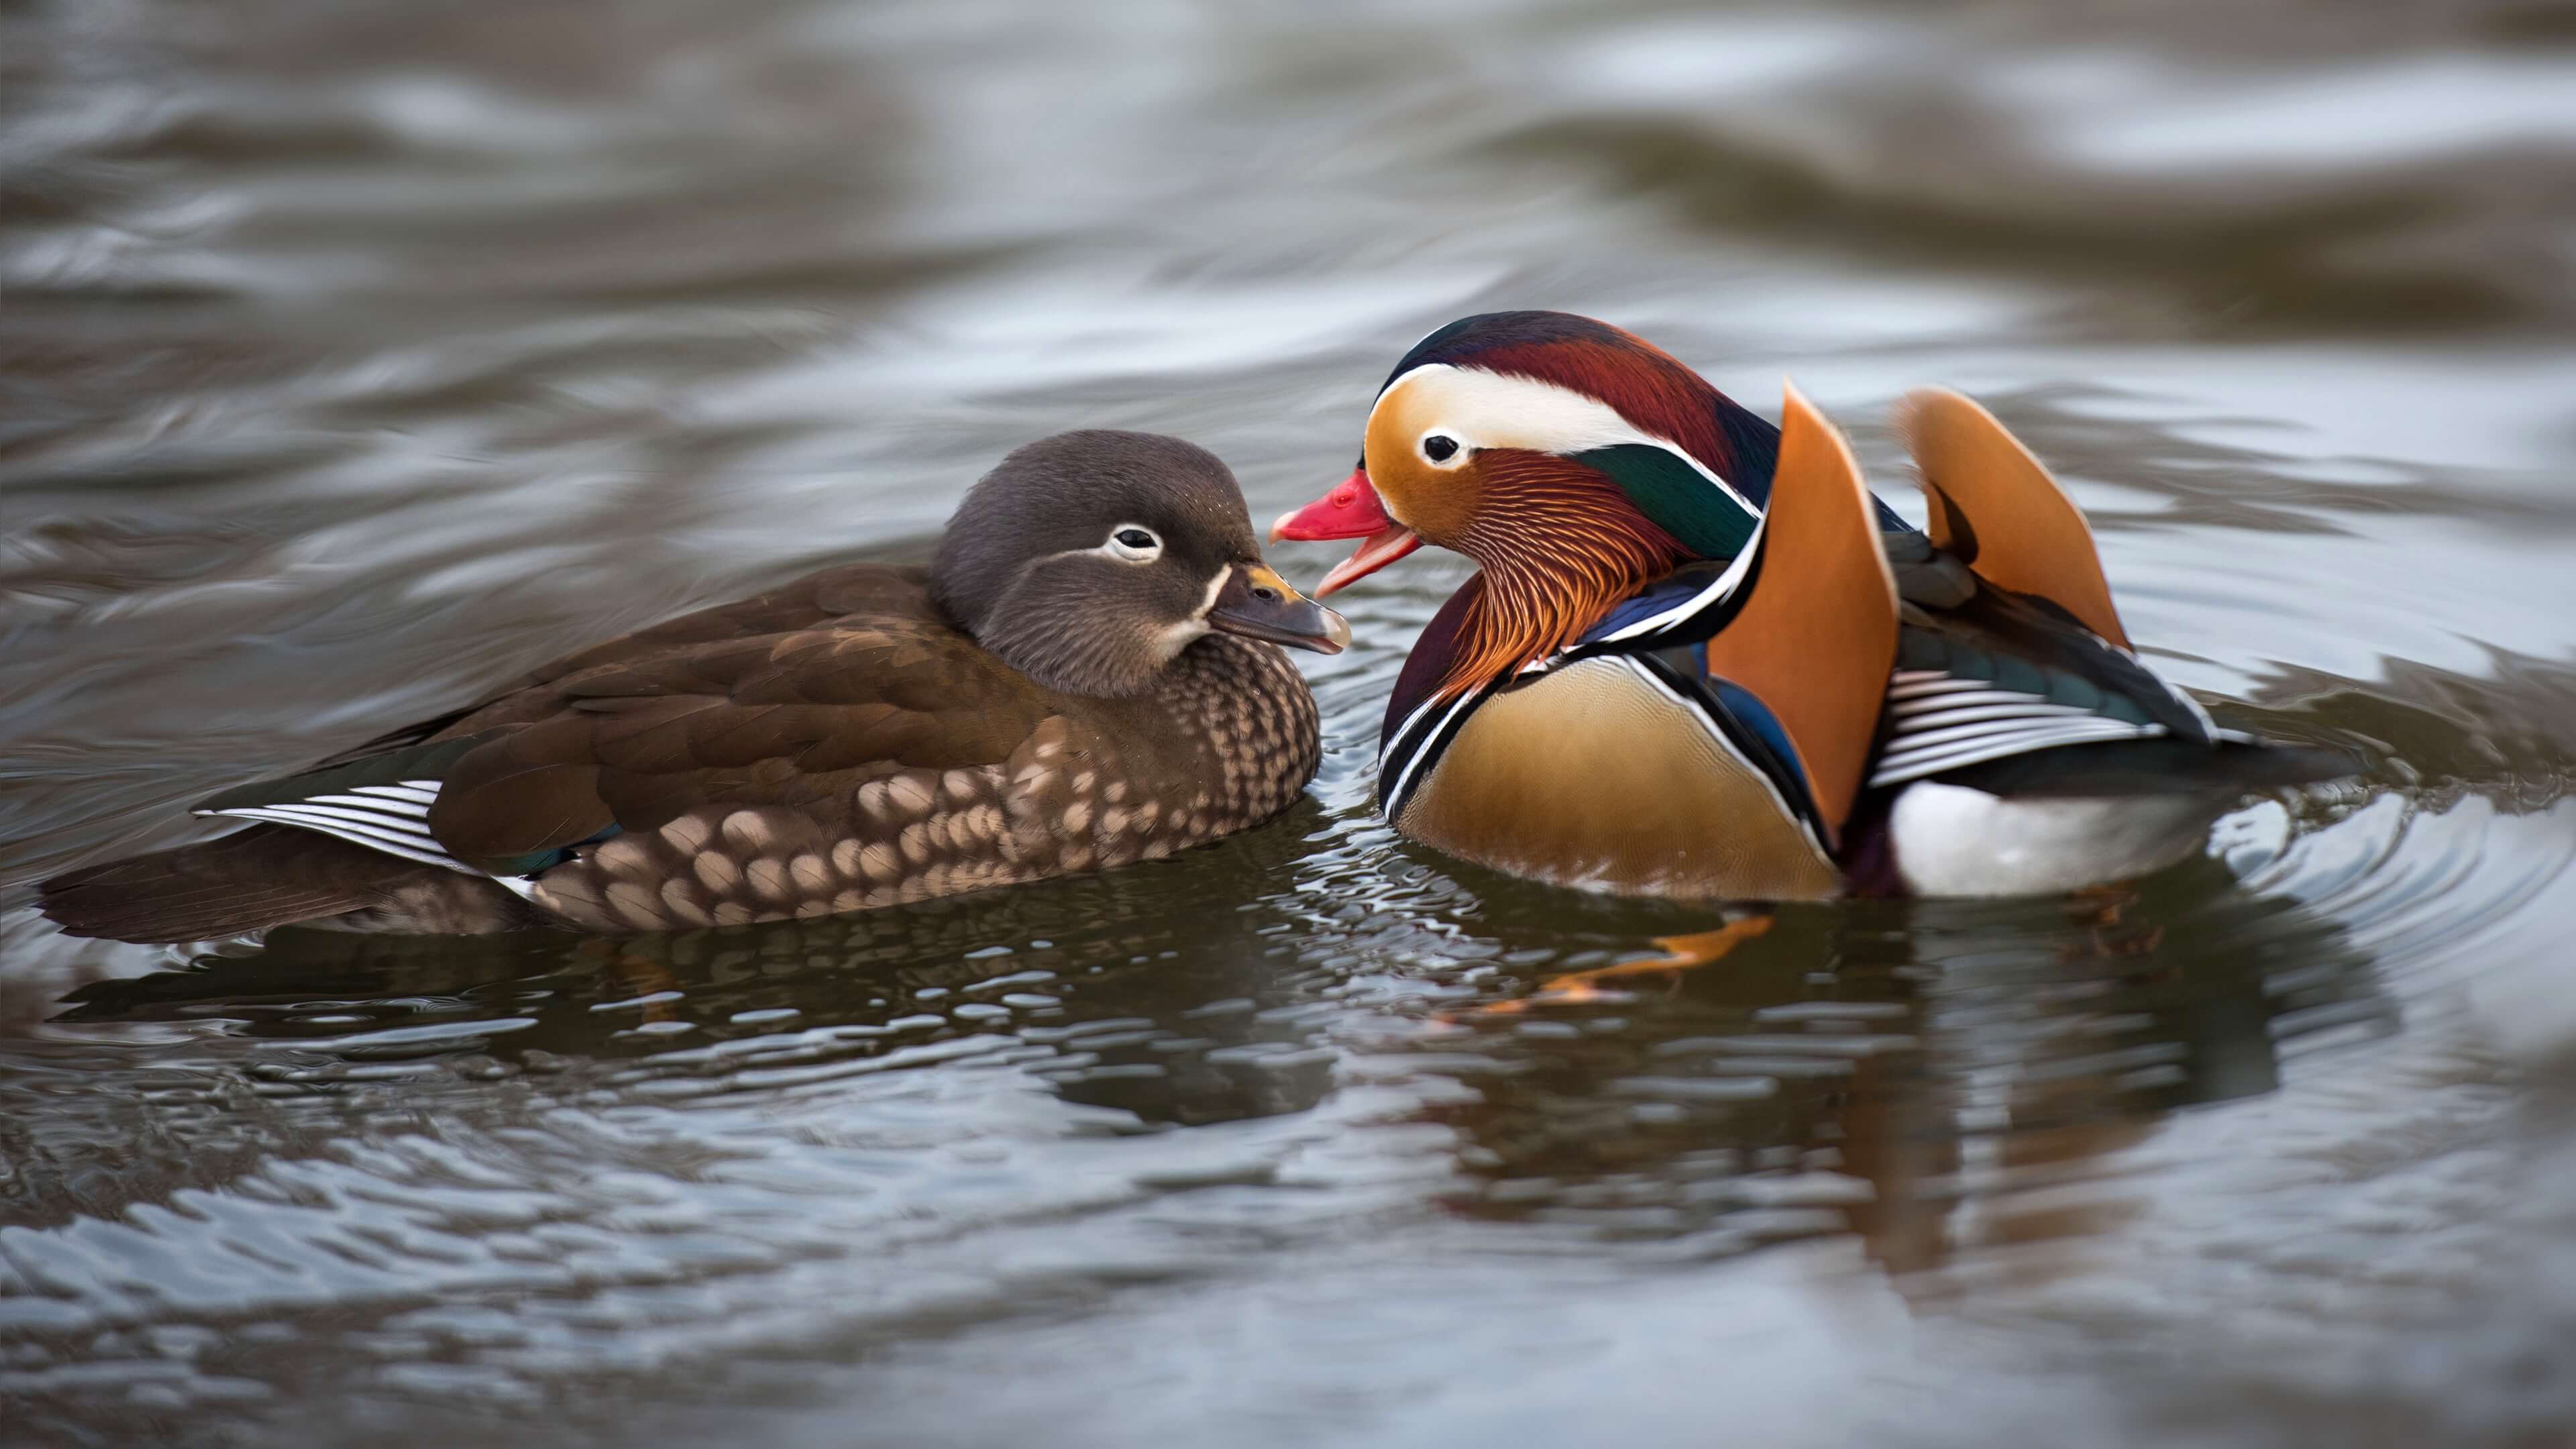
x=1133, y=543
x=1509, y=411
x=1480, y=409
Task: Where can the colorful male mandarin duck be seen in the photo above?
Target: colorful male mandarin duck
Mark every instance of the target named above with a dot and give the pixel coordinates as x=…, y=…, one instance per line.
x=1650, y=688
x=1084, y=676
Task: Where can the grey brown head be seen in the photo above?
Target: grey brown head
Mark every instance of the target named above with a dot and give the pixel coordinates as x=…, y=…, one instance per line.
x=1090, y=560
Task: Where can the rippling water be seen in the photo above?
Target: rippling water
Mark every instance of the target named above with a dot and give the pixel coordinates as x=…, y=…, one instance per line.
x=357, y=356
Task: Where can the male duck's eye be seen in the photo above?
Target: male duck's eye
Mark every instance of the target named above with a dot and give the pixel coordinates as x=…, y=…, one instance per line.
x=1134, y=544
x=1439, y=447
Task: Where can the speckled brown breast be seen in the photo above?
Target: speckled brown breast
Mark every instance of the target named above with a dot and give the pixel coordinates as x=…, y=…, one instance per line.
x=1225, y=743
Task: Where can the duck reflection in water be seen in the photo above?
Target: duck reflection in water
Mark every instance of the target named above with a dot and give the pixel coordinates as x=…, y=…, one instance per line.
x=1935, y=1077
x=1119, y=996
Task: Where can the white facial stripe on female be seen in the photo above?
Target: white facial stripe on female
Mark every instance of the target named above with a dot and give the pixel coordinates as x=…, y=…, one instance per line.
x=1480, y=409
x=1177, y=637
x=1215, y=587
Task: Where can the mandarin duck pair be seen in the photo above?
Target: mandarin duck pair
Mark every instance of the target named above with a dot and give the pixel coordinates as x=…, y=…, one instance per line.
x=1699, y=659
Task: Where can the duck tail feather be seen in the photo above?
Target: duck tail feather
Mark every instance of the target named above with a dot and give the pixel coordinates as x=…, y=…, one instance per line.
x=2135, y=768
x=247, y=881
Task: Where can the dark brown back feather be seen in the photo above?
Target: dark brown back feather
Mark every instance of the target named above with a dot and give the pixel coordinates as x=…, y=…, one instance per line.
x=778, y=700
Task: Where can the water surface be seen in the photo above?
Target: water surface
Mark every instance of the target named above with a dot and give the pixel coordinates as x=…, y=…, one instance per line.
x=356, y=357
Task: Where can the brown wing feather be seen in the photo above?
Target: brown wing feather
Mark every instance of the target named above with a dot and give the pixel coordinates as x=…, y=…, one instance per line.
x=805, y=603
x=1995, y=506
x=721, y=707
x=1816, y=636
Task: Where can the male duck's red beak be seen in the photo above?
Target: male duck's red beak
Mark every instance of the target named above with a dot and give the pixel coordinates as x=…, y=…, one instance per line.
x=1351, y=510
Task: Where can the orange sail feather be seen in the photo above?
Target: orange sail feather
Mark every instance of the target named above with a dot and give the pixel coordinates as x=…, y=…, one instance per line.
x=1816, y=635
x=1996, y=508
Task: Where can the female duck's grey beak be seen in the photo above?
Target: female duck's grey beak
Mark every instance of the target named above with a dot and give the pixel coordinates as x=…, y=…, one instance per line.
x=1258, y=604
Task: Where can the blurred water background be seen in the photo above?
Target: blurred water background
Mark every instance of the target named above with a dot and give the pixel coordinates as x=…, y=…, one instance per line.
x=357, y=355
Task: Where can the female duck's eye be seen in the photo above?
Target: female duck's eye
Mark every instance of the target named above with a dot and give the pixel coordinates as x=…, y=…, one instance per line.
x=1439, y=447
x=1134, y=544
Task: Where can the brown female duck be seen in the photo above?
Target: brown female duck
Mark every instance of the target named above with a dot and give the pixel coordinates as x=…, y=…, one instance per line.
x=1086, y=675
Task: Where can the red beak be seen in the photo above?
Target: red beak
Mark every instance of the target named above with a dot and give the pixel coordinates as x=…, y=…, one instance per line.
x=1351, y=510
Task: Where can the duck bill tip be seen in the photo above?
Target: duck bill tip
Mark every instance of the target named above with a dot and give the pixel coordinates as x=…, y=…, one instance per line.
x=1337, y=632
x=1352, y=509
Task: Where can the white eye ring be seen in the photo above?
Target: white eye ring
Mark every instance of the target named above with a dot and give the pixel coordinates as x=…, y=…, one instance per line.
x=1125, y=544
x=1450, y=452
